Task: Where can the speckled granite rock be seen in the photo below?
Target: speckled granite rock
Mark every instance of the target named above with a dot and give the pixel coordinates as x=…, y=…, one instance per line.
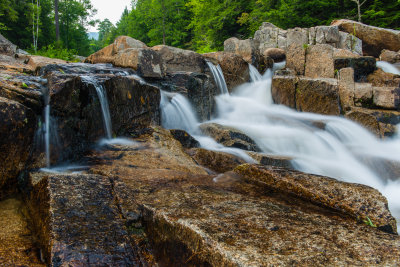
x=17, y=128
x=17, y=245
x=358, y=201
x=83, y=225
x=194, y=219
x=229, y=137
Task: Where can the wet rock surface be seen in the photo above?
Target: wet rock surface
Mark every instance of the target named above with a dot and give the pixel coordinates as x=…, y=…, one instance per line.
x=229, y=137
x=184, y=138
x=192, y=218
x=17, y=128
x=200, y=89
x=84, y=224
x=17, y=243
x=318, y=96
x=77, y=110
x=218, y=162
x=381, y=122
x=159, y=199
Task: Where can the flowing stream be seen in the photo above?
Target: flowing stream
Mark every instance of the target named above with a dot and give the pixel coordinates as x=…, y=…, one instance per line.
x=318, y=144
x=387, y=67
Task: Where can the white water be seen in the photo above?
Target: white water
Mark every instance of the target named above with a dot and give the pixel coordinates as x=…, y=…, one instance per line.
x=47, y=134
x=387, y=67
x=255, y=76
x=218, y=77
x=177, y=113
x=340, y=149
x=116, y=141
x=279, y=66
x=103, y=103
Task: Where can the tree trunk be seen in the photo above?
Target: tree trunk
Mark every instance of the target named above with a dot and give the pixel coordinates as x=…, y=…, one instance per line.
x=56, y=20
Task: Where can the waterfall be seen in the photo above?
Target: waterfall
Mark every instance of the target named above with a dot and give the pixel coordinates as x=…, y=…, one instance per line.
x=103, y=103
x=341, y=148
x=255, y=76
x=47, y=134
x=218, y=77
x=387, y=67
x=177, y=113
x=318, y=144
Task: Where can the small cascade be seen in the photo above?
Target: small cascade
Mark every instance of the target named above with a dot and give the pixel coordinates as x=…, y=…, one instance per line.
x=387, y=67
x=340, y=148
x=255, y=76
x=47, y=134
x=279, y=66
x=218, y=77
x=103, y=103
x=177, y=113
x=45, y=131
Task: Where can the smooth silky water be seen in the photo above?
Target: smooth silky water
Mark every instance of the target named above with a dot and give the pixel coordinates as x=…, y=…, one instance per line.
x=341, y=149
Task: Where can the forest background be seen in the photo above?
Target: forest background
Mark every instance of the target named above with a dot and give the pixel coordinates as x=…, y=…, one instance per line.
x=58, y=28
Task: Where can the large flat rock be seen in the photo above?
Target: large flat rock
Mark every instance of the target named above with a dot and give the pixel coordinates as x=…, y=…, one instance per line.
x=192, y=218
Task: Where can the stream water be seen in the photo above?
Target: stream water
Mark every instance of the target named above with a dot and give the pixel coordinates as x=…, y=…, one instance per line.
x=387, y=67
x=318, y=144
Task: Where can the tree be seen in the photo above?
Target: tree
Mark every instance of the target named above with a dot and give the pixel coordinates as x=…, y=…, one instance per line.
x=56, y=20
x=75, y=16
x=359, y=5
x=35, y=23
x=105, y=28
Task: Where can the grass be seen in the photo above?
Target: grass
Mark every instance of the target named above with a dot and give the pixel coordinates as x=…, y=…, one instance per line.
x=52, y=51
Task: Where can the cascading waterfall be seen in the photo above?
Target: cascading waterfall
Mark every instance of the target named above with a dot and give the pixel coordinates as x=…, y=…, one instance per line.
x=177, y=113
x=319, y=144
x=340, y=148
x=255, y=76
x=218, y=77
x=45, y=130
x=387, y=67
x=47, y=134
x=105, y=109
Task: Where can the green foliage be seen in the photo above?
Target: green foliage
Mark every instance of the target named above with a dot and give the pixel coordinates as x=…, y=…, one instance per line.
x=16, y=23
x=201, y=25
x=369, y=222
x=52, y=51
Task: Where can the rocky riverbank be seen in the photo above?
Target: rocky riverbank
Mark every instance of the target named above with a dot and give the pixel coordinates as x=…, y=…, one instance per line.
x=72, y=193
